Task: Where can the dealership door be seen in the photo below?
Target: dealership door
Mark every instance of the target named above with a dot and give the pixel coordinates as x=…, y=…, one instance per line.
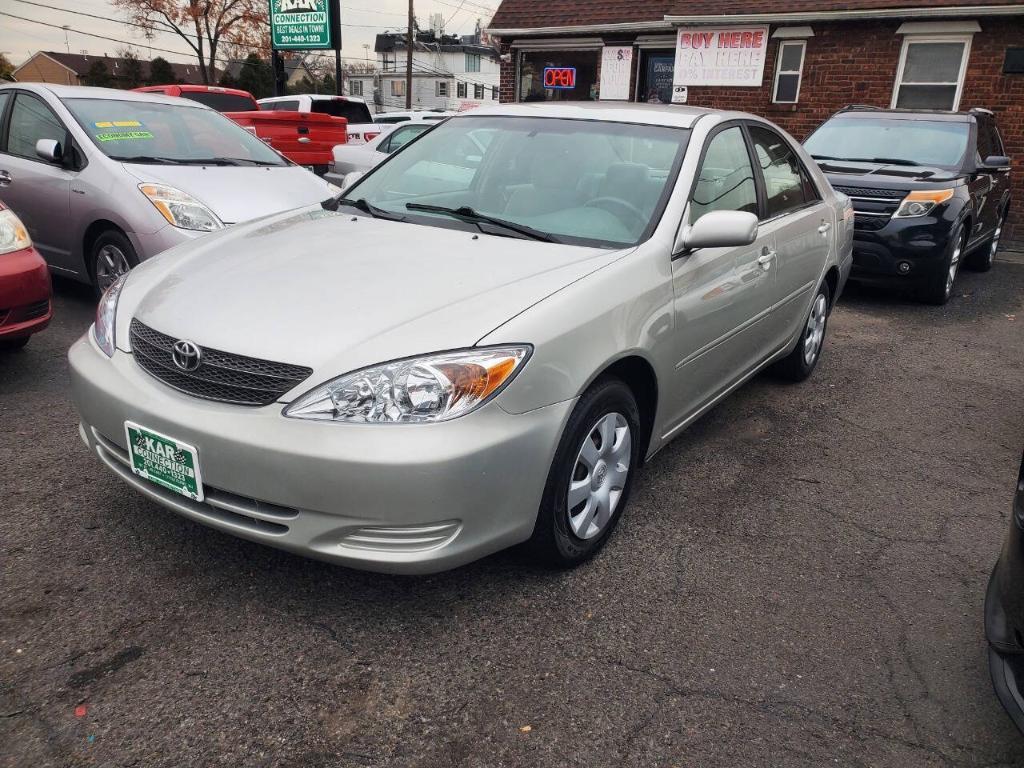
x=655, y=76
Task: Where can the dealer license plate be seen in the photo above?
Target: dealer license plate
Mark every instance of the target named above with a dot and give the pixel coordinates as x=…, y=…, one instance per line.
x=164, y=461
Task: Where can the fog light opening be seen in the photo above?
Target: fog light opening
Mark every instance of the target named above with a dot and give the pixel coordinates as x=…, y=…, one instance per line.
x=904, y=267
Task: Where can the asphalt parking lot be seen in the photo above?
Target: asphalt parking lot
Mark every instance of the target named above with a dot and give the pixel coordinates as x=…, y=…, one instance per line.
x=798, y=582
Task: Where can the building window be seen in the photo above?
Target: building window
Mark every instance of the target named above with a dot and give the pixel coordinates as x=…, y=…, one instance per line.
x=472, y=62
x=441, y=88
x=789, y=71
x=931, y=73
x=494, y=92
x=398, y=87
x=478, y=92
x=460, y=90
x=577, y=67
x=388, y=62
x=355, y=87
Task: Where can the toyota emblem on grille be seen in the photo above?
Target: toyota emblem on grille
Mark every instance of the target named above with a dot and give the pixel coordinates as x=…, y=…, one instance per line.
x=186, y=355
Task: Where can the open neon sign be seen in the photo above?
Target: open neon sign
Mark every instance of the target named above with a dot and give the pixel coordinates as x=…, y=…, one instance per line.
x=560, y=78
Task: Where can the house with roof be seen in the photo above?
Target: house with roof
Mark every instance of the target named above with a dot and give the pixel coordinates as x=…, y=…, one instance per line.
x=72, y=68
x=795, y=63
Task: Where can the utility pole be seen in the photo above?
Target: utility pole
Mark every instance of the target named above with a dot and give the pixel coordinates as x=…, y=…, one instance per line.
x=410, y=44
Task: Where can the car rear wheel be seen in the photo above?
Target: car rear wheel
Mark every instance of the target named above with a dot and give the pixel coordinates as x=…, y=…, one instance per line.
x=590, y=478
x=112, y=255
x=983, y=259
x=940, y=288
x=801, y=362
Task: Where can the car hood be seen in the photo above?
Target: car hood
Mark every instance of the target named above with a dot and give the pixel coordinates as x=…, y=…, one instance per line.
x=846, y=173
x=236, y=193
x=336, y=292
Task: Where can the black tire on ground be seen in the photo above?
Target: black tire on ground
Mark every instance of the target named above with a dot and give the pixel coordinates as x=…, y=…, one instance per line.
x=938, y=289
x=984, y=256
x=796, y=366
x=13, y=345
x=106, y=251
x=554, y=542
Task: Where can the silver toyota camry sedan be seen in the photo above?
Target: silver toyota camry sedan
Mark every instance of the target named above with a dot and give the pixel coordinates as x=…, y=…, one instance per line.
x=469, y=348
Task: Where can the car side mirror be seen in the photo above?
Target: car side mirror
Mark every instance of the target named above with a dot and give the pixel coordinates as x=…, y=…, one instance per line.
x=50, y=151
x=350, y=179
x=718, y=229
x=997, y=162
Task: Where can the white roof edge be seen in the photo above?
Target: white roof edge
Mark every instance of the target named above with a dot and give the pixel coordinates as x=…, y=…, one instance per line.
x=778, y=18
x=792, y=33
x=967, y=26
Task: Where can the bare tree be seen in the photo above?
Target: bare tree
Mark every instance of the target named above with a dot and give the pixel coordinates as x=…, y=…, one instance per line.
x=204, y=24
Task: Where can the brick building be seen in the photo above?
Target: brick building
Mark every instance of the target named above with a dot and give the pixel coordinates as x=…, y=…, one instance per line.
x=795, y=63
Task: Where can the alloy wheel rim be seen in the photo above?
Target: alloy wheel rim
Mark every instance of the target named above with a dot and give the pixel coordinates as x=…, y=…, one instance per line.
x=111, y=263
x=814, y=334
x=995, y=241
x=599, y=476
x=954, y=265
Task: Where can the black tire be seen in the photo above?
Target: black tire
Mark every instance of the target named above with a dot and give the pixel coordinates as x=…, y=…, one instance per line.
x=984, y=257
x=13, y=345
x=554, y=542
x=111, y=243
x=796, y=366
x=939, y=288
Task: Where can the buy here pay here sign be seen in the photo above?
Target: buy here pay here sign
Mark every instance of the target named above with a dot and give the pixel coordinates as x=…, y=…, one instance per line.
x=733, y=56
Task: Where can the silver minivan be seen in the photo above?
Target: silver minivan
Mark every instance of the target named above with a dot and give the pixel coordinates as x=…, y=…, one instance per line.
x=104, y=179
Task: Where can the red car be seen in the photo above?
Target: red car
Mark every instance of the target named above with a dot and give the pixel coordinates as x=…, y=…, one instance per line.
x=221, y=99
x=24, y=284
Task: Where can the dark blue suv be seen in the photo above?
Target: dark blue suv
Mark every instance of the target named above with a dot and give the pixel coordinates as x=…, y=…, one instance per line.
x=930, y=190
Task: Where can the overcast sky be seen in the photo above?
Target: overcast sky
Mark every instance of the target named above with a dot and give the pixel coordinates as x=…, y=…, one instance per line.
x=361, y=20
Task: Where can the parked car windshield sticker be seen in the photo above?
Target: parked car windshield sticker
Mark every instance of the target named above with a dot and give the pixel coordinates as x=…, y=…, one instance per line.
x=112, y=130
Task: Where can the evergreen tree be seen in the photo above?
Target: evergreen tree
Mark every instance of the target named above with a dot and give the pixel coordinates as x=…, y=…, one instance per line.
x=131, y=74
x=98, y=75
x=161, y=72
x=256, y=77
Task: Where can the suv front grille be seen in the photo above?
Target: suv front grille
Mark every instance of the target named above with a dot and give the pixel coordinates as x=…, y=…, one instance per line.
x=872, y=207
x=221, y=376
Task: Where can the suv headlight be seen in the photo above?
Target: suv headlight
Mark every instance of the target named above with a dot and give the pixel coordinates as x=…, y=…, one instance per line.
x=921, y=202
x=13, y=235
x=180, y=208
x=106, y=316
x=422, y=389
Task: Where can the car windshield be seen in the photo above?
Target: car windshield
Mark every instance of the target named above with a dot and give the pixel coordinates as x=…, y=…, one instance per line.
x=168, y=134
x=222, y=102
x=574, y=181
x=353, y=111
x=910, y=142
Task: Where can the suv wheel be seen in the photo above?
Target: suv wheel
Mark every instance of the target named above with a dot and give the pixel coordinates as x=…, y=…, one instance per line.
x=940, y=288
x=591, y=476
x=982, y=259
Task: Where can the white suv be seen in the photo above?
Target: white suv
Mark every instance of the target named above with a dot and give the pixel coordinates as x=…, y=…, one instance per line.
x=361, y=127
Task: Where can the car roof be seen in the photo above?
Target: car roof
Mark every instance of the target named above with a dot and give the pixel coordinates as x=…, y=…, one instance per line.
x=668, y=115
x=314, y=97
x=112, y=94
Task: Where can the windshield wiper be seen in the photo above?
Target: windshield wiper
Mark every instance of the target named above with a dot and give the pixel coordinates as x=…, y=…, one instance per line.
x=148, y=159
x=465, y=213
x=881, y=160
x=366, y=207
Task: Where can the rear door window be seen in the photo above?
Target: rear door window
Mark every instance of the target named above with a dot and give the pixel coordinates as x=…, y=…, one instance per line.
x=282, y=106
x=787, y=184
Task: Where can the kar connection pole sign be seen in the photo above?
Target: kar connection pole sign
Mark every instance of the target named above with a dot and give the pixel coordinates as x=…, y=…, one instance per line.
x=297, y=25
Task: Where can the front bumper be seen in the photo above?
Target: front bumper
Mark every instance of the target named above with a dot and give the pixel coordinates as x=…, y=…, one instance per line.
x=148, y=245
x=917, y=245
x=416, y=498
x=25, y=306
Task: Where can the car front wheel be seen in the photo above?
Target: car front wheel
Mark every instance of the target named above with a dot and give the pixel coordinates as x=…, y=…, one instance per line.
x=940, y=288
x=590, y=478
x=112, y=256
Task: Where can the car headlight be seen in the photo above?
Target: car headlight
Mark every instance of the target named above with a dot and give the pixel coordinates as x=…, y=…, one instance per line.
x=921, y=202
x=431, y=388
x=13, y=235
x=180, y=208
x=106, y=315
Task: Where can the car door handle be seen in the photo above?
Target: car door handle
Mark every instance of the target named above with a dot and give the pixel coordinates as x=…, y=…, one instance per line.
x=5, y=178
x=825, y=227
x=304, y=140
x=765, y=260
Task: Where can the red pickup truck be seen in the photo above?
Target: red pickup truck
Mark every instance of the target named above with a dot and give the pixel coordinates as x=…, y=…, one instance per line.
x=304, y=138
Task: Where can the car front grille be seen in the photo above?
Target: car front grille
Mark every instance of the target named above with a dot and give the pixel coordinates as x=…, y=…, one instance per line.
x=873, y=207
x=221, y=376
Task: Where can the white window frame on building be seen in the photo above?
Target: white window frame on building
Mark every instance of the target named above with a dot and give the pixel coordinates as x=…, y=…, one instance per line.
x=460, y=90
x=478, y=91
x=472, y=62
x=780, y=72
x=441, y=89
x=915, y=39
x=355, y=87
